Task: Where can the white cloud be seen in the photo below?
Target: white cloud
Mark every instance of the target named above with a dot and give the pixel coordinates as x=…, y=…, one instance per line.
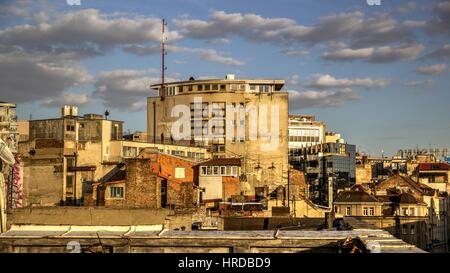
x=213, y=56
x=66, y=98
x=316, y=99
x=419, y=84
x=432, y=70
x=384, y=54
x=353, y=26
x=28, y=77
x=87, y=27
x=348, y=54
x=207, y=54
x=295, y=52
x=439, y=24
x=328, y=81
x=441, y=53
x=126, y=89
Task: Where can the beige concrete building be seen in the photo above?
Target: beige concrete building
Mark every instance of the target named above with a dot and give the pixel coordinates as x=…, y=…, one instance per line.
x=63, y=156
x=257, y=133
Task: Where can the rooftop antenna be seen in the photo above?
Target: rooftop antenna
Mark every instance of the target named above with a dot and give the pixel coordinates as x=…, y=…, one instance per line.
x=163, y=54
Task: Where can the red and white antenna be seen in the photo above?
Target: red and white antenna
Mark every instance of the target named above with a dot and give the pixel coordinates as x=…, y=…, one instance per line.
x=163, y=53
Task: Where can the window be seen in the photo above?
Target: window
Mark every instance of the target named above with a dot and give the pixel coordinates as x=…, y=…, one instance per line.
x=208, y=170
x=411, y=230
x=335, y=209
x=222, y=170
x=69, y=181
x=223, y=87
x=233, y=87
x=253, y=87
x=207, y=87
x=404, y=229
x=180, y=172
x=228, y=170
x=365, y=211
x=234, y=171
x=405, y=212
x=412, y=212
x=348, y=211
x=216, y=170
x=190, y=87
x=215, y=87
x=371, y=211
x=70, y=128
x=242, y=87
x=203, y=170
x=199, y=87
x=116, y=192
x=70, y=161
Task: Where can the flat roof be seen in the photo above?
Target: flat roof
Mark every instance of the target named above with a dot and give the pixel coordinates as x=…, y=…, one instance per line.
x=209, y=81
x=386, y=241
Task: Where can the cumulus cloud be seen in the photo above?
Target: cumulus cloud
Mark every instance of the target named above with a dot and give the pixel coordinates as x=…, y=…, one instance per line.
x=20, y=8
x=385, y=54
x=441, y=53
x=353, y=26
x=315, y=99
x=207, y=54
x=328, y=81
x=432, y=70
x=348, y=54
x=66, y=98
x=28, y=77
x=419, y=84
x=295, y=52
x=213, y=56
x=126, y=89
x=438, y=24
x=85, y=28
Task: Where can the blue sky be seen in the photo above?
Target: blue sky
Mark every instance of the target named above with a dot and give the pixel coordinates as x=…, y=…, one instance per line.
x=379, y=75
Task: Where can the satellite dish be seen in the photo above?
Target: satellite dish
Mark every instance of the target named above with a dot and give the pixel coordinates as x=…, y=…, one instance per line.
x=5, y=153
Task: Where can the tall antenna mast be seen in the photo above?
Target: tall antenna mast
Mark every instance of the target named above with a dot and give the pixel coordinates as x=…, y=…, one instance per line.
x=163, y=53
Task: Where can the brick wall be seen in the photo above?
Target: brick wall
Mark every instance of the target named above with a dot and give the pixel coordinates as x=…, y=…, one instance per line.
x=142, y=186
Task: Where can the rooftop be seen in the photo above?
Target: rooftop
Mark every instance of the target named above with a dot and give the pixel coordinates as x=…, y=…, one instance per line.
x=355, y=197
x=233, y=161
x=154, y=235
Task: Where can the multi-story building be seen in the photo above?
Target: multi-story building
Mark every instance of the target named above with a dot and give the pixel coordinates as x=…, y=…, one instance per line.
x=232, y=118
x=304, y=131
x=64, y=156
x=328, y=167
x=398, y=212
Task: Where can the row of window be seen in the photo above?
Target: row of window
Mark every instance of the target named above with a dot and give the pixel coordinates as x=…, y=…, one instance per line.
x=133, y=152
x=173, y=90
x=408, y=212
x=219, y=171
x=367, y=211
x=304, y=139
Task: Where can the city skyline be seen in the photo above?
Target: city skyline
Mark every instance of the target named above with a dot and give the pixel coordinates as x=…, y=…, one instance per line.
x=376, y=74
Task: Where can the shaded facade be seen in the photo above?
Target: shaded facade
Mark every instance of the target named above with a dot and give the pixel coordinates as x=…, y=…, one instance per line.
x=211, y=101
